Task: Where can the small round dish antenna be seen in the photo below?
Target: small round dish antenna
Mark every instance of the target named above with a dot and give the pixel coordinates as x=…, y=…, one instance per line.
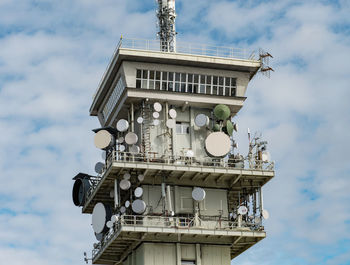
x=139, y=120
x=229, y=127
x=114, y=218
x=120, y=140
x=172, y=113
x=141, y=177
x=156, y=122
x=201, y=120
x=157, y=106
x=257, y=220
x=131, y=138
x=222, y=112
x=109, y=224
x=127, y=176
x=122, y=148
x=171, y=123
x=125, y=184
x=242, y=210
x=138, y=192
x=122, y=210
x=99, y=167
x=100, y=215
x=103, y=139
x=198, y=194
x=155, y=115
x=122, y=125
x=265, y=214
x=138, y=206
x=127, y=204
x=134, y=149
x=218, y=144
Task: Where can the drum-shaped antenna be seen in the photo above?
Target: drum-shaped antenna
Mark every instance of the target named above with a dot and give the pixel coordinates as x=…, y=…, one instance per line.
x=139, y=120
x=171, y=123
x=127, y=176
x=122, y=210
x=114, y=218
x=125, y=184
x=172, y=113
x=201, y=120
x=120, y=140
x=127, y=204
x=109, y=224
x=218, y=144
x=122, y=148
x=222, y=112
x=103, y=139
x=99, y=167
x=155, y=115
x=122, y=125
x=101, y=214
x=157, y=106
x=156, y=122
x=198, y=194
x=138, y=206
x=131, y=138
x=229, y=127
x=242, y=210
x=138, y=192
x=80, y=188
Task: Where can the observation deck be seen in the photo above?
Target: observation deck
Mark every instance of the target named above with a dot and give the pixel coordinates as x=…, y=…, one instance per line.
x=130, y=231
x=209, y=172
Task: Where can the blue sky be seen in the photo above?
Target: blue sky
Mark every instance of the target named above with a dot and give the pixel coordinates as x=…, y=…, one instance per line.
x=52, y=56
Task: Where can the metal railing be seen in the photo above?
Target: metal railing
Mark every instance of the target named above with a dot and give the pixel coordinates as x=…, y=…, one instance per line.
x=199, y=223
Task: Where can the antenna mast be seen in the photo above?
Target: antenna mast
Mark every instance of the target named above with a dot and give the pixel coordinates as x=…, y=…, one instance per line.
x=166, y=22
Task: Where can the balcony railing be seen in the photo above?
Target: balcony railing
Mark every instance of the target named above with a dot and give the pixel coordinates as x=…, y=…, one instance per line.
x=186, y=223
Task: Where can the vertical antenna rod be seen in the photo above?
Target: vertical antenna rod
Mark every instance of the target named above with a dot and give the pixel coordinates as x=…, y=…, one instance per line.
x=166, y=22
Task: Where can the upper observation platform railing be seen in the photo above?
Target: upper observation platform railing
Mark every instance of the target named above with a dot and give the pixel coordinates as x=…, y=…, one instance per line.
x=189, y=48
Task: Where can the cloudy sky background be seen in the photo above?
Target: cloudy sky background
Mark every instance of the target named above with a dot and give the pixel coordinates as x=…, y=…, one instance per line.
x=52, y=56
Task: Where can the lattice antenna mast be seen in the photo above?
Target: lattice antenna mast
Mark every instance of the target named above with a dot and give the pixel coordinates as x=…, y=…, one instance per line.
x=166, y=22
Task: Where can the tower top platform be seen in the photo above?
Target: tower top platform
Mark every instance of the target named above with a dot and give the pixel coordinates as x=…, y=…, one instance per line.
x=186, y=54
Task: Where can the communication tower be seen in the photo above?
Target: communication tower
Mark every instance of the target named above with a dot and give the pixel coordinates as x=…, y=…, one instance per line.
x=172, y=188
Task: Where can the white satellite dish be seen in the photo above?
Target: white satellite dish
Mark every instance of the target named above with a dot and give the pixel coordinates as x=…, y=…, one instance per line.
x=198, y=194
x=122, y=210
x=138, y=206
x=266, y=157
x=127, y=176
x=138, y=192
x=111, y=194
x=157, y=106
x=189, y=153
x=127, y=204
x=109, y=224
x=114, y=218
x=120, y=140
x=265, y=214
x=218, y=144
x=131, y=138
x=122, y=125
x=171, y=123
x=134, y=149
x=99, y=167
x=141, y=177
x=103, y=155
x=103, y=139
x=100, y=215
x=122, y=148
x=257, y=220
x=139, y=120
x=201, y=120
x=172, y=113
x=156, y=122
x=155, y=115
x=125, y=184
x=242, y=210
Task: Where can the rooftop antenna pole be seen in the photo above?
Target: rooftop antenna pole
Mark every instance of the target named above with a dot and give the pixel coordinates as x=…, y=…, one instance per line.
x=166, y=22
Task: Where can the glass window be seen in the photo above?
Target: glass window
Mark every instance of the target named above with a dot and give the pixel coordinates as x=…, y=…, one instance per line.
x=183, y=77
x=183, y=87
x=189, y=88
x=195, y=79
x=144, y=84
x=164, y=86
x=215, y=90
x=171, y=76
x=227, y=91
x=215, y=80
x=202, y=79
x=151, y=84
x=157, y=87
x=145, y=74
x=227, y=81
x=157, y=75
x=208, y=79
x=177, y=86
x=190, y=78
x=177, y=76
x=165, y=76
x=151, y=75
x=138, y=74
x=233, y=91
x=221, y=81
x=138, y=83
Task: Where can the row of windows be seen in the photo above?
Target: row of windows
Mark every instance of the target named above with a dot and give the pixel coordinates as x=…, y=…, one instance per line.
x=186, y=83
x=113, y=98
